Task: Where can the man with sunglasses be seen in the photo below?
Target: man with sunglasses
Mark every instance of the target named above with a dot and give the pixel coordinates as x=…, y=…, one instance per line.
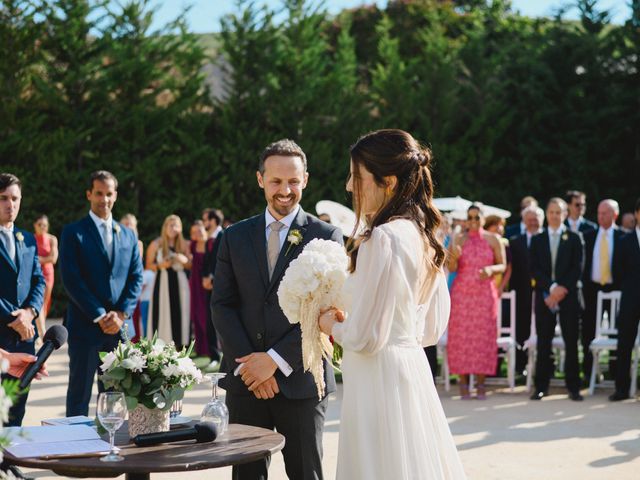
x=577, y=202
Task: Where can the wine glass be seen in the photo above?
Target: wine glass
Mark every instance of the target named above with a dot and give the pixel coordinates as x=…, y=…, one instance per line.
x=112, y=410
x=216, y=411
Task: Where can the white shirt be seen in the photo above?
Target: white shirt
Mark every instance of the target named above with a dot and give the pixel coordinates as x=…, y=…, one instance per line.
x=216, y=232
x=575, y=224
x=9, y=230
x=595, y=268
x=529, y=235
x=559, y=231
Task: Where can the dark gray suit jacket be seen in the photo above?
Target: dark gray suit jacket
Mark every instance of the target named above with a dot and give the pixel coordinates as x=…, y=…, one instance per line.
x=245, y=307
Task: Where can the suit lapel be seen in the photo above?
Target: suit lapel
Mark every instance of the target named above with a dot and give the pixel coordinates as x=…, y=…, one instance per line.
x=91, y=226
x=286, y=253
x=5, y=254
x=260, y=247
x=116, y=242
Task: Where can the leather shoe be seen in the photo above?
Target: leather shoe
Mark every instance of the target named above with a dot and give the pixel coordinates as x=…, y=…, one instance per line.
x=539, y=395
x=576, y=397
x=618, y=396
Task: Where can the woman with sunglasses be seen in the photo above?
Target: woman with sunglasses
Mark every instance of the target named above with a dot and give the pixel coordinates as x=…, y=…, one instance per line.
x=477, y=255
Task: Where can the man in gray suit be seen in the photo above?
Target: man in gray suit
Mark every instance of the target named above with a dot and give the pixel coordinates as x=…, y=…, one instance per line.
x=266, y=384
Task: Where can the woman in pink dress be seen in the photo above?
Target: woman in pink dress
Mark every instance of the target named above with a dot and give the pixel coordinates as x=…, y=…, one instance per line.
x=48, y=256
x=477, y=255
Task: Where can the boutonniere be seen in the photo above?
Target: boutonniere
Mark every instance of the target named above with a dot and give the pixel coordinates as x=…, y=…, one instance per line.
x=565, y=236
x=294, y=238
x=116, y=228
x=20, y=237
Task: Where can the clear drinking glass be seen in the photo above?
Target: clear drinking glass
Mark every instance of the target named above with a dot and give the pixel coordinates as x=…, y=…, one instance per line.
x=216, y=411
x=112, y=410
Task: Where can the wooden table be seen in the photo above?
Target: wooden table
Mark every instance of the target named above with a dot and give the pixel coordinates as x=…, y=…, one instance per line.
x=240, y=444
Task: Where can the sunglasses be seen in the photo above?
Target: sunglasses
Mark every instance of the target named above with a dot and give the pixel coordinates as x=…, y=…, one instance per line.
x=473, y=217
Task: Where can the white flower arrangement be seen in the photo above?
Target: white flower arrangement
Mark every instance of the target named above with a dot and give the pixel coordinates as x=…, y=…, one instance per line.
x=149, y=372
x=314, y=282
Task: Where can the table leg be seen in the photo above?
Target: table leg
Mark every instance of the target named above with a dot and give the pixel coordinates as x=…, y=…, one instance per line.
x=137, y=476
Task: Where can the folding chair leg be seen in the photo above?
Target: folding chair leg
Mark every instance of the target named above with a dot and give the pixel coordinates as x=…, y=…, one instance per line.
x=634, y=373
x=445, y=370
x=594, y=368
x=511, y=365
x=530, y=368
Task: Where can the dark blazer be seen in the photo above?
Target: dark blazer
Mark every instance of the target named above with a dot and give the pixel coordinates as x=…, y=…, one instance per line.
x=21, y=286
x=589, y=244
x=95, y=285
x=568, y=260
x=628, y=266
x=520, y=262
x=245, y=307
x=513, y=230
x=584, y=226
x=211, y=256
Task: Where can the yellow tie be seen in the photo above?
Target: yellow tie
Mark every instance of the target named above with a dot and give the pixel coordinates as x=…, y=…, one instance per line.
x=605, y=268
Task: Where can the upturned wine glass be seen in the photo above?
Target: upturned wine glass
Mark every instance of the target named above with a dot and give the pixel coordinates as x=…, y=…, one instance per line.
x=112, y=411
x=216, y=411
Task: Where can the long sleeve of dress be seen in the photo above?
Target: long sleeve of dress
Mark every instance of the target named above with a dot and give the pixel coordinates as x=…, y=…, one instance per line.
x=436, y=310
x=367, y=328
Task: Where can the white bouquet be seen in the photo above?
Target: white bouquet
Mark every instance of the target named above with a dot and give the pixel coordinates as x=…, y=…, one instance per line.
x=313, y=282
x=8, y=390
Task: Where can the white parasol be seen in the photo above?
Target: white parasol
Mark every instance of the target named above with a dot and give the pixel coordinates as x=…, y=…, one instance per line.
x=342, y=217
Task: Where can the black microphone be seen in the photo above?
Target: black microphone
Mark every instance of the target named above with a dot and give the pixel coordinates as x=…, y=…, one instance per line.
x=53, y=339
x=200, y=432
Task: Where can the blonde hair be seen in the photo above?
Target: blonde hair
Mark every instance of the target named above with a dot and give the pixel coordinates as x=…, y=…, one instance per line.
x=164, y=241
x=130, y=217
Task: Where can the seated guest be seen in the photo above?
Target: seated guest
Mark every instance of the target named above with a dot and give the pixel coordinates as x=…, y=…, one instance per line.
x=533, y=218
x=556, y=263
x=628, y=260
x=577, y=204
x=600, y=273
x=520, y=228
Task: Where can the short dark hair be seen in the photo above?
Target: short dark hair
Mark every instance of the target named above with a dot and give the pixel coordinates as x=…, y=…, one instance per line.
x=8, y=179
x=571, y=194
x=637, y=205
x=102, y=176
x=285, y=148
x=215, y=214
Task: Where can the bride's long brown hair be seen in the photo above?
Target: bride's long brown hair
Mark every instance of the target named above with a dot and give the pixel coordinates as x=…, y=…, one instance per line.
x=387, y=153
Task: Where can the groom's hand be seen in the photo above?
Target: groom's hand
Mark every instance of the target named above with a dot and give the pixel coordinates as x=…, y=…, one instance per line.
x=256, y=368
x=268, y=389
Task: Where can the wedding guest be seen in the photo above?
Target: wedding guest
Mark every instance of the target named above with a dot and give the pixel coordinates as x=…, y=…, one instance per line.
x=556, y=263
x=629, y=273
x=520, y=228
x=213, y=218
x=48, y=256
x=600, y=274
x=22, y=285
x=129, y=220
x=477, y=256
x=199, y=300
x=577, y=205
x=628, y=222
x=134, y=325
x=495, y=224
x=521, y=278
x=101, y=271
x=148, y=279
x=169, y=310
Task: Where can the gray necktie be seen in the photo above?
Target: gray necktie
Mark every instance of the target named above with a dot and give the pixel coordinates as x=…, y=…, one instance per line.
x=555, y=241
x=273, y=245
x=7, y=238
x=107, y=237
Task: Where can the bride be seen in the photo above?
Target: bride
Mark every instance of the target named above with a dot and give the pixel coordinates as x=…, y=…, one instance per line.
x=392, y=423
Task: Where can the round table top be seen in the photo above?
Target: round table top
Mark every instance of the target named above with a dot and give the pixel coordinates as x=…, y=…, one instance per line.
x=240, y=444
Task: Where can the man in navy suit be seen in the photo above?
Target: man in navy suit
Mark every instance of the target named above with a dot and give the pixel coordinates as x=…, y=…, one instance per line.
x=102, y=274
x=21, y=283
x=600, y=272
x=556, y=264
x=520, y=228
x=577, y=204
x=266, y=383
x=628, y=261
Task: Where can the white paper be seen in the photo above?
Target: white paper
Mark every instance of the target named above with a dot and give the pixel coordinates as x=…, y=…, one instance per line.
x=47, y=434
x=77, y=420
x=26, y=450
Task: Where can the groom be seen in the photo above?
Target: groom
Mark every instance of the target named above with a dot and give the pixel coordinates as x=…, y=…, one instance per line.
x=266, y=384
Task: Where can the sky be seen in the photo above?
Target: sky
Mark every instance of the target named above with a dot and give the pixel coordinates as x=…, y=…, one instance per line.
x=205, y=15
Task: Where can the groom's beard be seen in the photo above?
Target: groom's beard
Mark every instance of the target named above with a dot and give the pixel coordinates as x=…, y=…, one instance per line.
x=284, y=209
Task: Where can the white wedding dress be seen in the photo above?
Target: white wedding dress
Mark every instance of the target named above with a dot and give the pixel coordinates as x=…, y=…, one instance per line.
x=392, y=425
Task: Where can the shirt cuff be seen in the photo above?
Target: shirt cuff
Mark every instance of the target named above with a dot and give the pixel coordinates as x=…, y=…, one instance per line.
x=283, y=366
x=553, y=285
x=97, y=319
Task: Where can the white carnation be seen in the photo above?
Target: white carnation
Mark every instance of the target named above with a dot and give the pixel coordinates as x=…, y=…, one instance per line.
x=135, y=362
x=108, y=360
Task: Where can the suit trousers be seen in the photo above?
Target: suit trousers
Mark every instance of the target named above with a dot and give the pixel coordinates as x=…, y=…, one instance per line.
x=17, y=410
x=523, y=325
x=588, y=323
x=300, y=421
x=545, y=326
x=84, y=361
x=627, y=332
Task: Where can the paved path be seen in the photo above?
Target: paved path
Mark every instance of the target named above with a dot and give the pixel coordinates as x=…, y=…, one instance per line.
x=505, y=437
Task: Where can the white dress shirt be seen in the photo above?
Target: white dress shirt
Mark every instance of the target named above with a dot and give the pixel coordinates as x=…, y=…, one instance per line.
x=561, y=229
x=10, y=238
x=575, y=224
x=595, y=268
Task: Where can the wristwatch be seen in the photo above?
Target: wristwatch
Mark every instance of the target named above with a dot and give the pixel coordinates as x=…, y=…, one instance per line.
x=34, y=311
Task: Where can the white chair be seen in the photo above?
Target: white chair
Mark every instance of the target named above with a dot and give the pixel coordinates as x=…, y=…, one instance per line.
x=606, y=338
x=507, y=337
x=442, y=351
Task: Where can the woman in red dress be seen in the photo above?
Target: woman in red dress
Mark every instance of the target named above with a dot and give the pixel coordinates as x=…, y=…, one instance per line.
x=48, y=256
x=477, y=255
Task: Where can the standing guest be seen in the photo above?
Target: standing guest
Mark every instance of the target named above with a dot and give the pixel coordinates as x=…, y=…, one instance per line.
x=600, y=273
x=130, y=221
x=266, y=383
x=629, y=274
x=520, y=228
x=148, y=279
x=577, y=204
x=22, y=284
x=48, y=256
x=169, y=310
x=199, y=300
x=556, y=263
x=477, y=256
x=628, y=222
x=213, y=223
x=102, y=274
x=521, y=278
x=495, y=225
x=134, y=324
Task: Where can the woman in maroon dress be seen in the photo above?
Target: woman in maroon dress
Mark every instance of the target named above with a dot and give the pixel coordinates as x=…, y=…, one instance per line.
x=477, y=255
x=199, y=296
x=48, y=256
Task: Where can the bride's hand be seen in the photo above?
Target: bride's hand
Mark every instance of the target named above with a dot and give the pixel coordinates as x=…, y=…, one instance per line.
x=328, y=318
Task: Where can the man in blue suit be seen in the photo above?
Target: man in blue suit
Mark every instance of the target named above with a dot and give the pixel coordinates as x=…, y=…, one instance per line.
x=21, y=283
x=102, y=274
